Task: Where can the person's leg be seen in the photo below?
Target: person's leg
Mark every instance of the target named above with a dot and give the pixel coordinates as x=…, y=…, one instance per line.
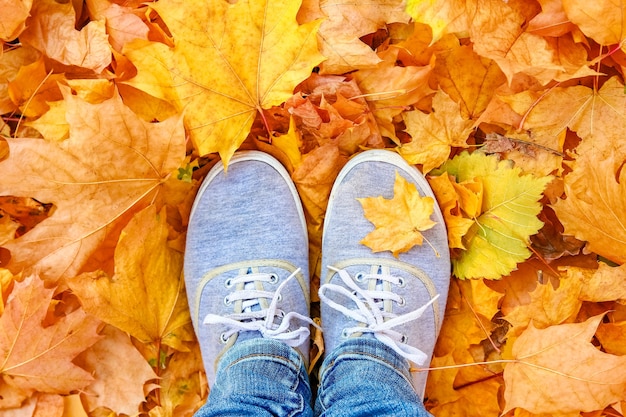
x=246, y=274
x=381, y=315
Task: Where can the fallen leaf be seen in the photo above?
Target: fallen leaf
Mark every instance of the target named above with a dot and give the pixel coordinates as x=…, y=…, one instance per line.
x=552, y=21
x=13, y=23
x=145, y=297
x=51, y=30
x=558, y=370
x=33, y=87
x=251, y=59
x=117, y=388
x=347, y=22
x=498, y=240
x=468, y=78
x=35, y=355
x=602, y=20
x=112, y=165
x=434, y=134
x=595, y=207
x=450, y=203
x=547, y=306
x=398, y=221
x=443, y=16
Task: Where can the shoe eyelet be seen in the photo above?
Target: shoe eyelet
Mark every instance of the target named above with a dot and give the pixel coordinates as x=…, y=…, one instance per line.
x=228, y=283
x=280, y=297
x=344, y=333
x=401, y=282
x=227, y=301
x=358, y=277
x=223, y=338
x=273, y=278
x=281, y=314
x=402, y=302
x=404, y=339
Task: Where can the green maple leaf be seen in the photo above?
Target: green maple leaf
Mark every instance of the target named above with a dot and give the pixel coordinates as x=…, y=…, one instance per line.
x=498, y=240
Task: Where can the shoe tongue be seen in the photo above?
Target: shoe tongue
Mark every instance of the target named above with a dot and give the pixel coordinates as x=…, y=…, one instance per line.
x=251, y=286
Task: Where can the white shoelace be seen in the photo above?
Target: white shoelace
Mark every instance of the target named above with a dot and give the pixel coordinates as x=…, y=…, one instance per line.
x=370, y=312
x=262, y=320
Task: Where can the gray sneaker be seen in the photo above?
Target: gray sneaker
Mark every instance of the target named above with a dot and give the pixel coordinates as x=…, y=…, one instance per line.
x=246, y=260
x=399, y=301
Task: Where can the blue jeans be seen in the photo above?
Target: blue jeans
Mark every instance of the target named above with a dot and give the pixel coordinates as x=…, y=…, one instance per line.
x=265, y=377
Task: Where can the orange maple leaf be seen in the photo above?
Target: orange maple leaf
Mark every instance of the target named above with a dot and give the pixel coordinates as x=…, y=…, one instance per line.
x=35, y=355
x=400, y=220
x=558, y=370
x=595, y=207
x=112, y=165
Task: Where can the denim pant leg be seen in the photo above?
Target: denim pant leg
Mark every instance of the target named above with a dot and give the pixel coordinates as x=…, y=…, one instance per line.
x=259, y=377
x=364, y=377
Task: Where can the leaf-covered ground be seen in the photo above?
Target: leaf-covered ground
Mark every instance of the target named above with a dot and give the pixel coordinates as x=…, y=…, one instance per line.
x=114, y=110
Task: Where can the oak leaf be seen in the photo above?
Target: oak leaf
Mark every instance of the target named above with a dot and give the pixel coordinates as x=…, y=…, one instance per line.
x=112, y=165
x=400, y=220
x=434, y=134
x=558, y=370
x=250, y=58
x=498, y=240
x=36, y=355
x=145, y=297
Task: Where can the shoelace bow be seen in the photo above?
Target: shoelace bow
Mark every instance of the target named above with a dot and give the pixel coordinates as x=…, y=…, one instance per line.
x=262, y=320
x=370, y=312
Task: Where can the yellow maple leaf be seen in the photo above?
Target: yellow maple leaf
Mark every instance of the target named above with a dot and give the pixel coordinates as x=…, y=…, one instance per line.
x=229, y=61
x=145, y=297
x=558, y=370
x=435, y=133
x=400, y=220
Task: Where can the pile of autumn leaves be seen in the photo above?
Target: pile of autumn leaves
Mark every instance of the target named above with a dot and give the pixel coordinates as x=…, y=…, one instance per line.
x=113, y=111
